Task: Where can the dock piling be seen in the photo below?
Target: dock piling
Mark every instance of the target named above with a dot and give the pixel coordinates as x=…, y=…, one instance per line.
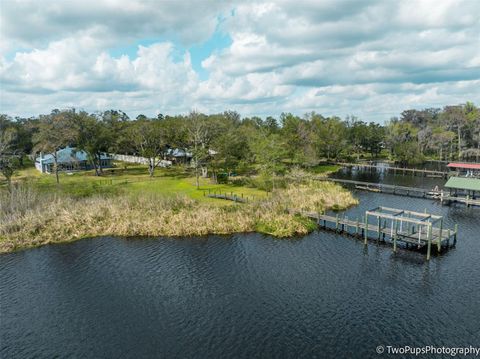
x=366, y=229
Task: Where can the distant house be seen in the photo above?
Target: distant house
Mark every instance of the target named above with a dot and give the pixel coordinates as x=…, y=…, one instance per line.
x=69, y=159
x=178, y=155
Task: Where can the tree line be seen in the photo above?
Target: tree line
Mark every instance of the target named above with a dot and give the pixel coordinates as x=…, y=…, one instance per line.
x=225, y=143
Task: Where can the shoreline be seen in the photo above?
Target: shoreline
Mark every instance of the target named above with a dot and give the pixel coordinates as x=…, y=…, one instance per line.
x=63, y=220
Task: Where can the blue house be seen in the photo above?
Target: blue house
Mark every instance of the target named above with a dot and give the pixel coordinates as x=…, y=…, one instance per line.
x=69, y=159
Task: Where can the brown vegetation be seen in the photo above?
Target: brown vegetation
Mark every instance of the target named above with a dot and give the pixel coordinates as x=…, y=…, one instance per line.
x=29, y=219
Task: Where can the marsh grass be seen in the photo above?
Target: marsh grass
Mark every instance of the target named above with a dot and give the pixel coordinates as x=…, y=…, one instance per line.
x=29, y=217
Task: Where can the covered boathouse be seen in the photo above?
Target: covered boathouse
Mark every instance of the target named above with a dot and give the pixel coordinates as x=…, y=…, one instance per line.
x=465, y=169
x=69, y=159
x=467, y=186
x=465, y=181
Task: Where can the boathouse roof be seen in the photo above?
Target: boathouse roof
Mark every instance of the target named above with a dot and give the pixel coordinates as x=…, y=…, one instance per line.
x=470, y=184
x=470, y=166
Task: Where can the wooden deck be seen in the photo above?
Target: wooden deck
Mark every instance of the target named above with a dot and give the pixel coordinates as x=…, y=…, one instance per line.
x=397, y=170
x=229, y=197
x=439, y=237
x=385, y=188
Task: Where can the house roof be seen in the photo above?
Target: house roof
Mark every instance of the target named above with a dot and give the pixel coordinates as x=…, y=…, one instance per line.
x=470, y=166
x=178, y=152
x=68, y=155
x=472, y=184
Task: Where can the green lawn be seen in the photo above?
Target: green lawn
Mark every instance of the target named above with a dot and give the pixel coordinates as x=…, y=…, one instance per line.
x=134, y=179
x=321, y=169
x=131, y=179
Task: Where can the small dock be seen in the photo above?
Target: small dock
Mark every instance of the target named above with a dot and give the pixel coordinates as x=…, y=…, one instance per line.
x=386, y=188
x=413, y=230
x=228, y=196
x=416, y=192
x=397, y=170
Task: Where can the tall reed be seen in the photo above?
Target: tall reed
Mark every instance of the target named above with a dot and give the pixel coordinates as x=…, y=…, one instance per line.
x=28, y=218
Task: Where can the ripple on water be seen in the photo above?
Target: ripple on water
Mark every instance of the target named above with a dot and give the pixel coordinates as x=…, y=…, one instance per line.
x=245, y=295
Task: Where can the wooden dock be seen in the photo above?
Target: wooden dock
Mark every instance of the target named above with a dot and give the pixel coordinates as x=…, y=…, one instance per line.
x=385, y=188
x=228, y=196
x=415, y=192
x=397, y=227
x=467, y=200
x=397, y=170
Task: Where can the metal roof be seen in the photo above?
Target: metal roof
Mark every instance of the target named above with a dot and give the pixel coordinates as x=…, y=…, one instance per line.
x=68, y=155
x=470, y=166
x=471, y=184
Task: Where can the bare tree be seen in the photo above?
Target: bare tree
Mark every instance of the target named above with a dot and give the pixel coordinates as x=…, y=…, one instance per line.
x=455, y=116
x=8, y=159
x=55, y=131
x=149, y=141
x=199, y=136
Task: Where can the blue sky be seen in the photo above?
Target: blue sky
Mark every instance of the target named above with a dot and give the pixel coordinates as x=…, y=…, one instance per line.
x=368, y=58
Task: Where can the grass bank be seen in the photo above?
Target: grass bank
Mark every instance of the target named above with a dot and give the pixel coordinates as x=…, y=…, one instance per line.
x=125, y=201
x=31, y=218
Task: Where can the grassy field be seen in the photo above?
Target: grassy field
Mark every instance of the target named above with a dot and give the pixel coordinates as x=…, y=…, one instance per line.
x=125, y=201
x=131, y=179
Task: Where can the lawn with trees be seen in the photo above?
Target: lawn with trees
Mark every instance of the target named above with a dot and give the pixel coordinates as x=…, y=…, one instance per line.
x=224, y=152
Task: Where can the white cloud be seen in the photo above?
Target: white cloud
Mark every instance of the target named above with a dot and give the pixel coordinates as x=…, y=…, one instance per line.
x=32, y=23
x=370, y=58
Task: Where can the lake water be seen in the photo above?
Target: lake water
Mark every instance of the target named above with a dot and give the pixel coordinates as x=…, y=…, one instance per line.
x=244, y=296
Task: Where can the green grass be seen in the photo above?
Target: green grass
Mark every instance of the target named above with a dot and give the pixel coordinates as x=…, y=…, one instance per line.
x=324, y=169
x=127, y=202
x=131, y=179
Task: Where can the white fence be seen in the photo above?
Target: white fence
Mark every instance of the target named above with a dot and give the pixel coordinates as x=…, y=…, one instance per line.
x=138, y=159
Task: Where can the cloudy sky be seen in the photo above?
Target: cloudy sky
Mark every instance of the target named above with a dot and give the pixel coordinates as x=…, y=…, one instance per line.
x=371, y=58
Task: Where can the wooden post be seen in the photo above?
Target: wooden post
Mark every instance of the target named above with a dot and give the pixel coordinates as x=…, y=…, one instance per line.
x=336, y=223
x=395, y=238
x=439, y=245
x=429, y=241
x=379, y=229
x=455, y=235
x=366, y=228
x=356, y=229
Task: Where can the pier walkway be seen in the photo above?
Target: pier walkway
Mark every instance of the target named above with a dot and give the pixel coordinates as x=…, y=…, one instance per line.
x=397, y=170
x=416, y=192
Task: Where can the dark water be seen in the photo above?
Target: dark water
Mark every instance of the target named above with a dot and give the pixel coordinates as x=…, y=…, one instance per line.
x=381, y=175
x=242, y=296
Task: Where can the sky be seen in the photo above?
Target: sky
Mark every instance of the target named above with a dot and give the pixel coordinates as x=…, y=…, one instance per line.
x=372, y=59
